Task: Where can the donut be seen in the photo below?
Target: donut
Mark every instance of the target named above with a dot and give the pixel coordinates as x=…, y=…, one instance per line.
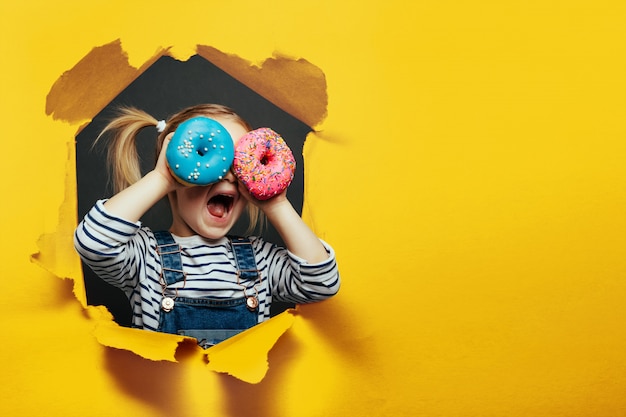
x=200, y=152
x=264, y=163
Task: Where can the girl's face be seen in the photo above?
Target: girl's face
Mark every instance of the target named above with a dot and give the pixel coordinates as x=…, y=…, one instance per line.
x=212, y=210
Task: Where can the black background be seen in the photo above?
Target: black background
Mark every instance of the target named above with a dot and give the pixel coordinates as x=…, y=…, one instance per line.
x=162, y=90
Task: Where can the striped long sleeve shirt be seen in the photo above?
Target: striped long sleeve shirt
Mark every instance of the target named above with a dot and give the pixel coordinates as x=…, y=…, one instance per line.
x=124, y=254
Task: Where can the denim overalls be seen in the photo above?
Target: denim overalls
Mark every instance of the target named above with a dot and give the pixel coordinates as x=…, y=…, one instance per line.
x=208, y=320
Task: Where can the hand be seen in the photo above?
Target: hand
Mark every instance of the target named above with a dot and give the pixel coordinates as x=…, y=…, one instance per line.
x=263, y=205
x=132, y=202
x=162, y=168
x=298, y=237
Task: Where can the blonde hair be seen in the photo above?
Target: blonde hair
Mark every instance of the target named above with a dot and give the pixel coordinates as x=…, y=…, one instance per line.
x=123, y=158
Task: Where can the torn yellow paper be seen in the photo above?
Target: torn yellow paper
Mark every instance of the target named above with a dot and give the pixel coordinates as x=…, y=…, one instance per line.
x=150, y=345
x=504, y=231
x=78, y=95
x=245, y=356
x=81, y=92
x=295, y=85
x=55, y=249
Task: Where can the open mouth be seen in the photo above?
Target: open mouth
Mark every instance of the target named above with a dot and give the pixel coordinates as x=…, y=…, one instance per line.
x=220, y=205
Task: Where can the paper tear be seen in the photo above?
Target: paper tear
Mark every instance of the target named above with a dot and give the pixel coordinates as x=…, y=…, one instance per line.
x=154, y=346
x=245, y=356
x=295, y=85
x=56, y=250
x=83, y=91
x=77, y=96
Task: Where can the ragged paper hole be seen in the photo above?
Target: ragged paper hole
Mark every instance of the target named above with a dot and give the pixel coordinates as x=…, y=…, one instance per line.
x=161, y=87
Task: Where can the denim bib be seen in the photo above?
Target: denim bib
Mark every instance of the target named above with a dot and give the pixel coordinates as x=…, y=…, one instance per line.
x=208, y=320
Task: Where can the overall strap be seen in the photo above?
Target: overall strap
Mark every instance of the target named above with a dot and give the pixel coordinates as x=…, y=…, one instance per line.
x=171, y=261
x=244, y=257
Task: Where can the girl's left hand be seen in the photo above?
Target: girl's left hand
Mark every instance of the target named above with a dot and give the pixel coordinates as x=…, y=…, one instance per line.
x=264, y=205
x=298, y=237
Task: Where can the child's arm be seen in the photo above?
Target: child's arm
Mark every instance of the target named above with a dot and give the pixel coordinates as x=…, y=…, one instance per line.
x=134, y=201
x=298, y=237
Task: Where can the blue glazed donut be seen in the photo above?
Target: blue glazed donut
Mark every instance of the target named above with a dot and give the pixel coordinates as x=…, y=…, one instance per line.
x=200, y=152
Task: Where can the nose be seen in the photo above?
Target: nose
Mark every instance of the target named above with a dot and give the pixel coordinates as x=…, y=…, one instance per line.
x=230, y=177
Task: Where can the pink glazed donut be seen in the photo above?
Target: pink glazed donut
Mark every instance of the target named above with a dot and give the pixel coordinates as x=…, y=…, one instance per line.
x=264, y=163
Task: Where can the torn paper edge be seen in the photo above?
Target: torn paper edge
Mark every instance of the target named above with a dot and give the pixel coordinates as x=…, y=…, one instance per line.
x=253, y=344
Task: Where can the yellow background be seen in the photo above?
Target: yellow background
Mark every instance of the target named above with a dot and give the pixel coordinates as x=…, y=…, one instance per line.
x=470, y=174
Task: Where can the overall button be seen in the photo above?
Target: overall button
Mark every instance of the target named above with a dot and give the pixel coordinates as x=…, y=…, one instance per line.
x=167, y=304
x=252, y=303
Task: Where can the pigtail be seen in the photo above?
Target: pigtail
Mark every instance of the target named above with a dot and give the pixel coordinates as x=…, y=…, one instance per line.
x=122, y=156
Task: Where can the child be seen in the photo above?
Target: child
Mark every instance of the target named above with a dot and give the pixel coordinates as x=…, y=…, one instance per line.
x=195, y=280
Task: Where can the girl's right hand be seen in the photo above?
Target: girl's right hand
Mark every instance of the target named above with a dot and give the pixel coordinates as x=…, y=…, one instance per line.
x=162, y=168
x=132, y=202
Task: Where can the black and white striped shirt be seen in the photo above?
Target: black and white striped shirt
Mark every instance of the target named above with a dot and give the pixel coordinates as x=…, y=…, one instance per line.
x=124, y=254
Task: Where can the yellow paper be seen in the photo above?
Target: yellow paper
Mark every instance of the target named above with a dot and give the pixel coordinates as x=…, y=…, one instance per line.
x=469, y=172
x=79, y=94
